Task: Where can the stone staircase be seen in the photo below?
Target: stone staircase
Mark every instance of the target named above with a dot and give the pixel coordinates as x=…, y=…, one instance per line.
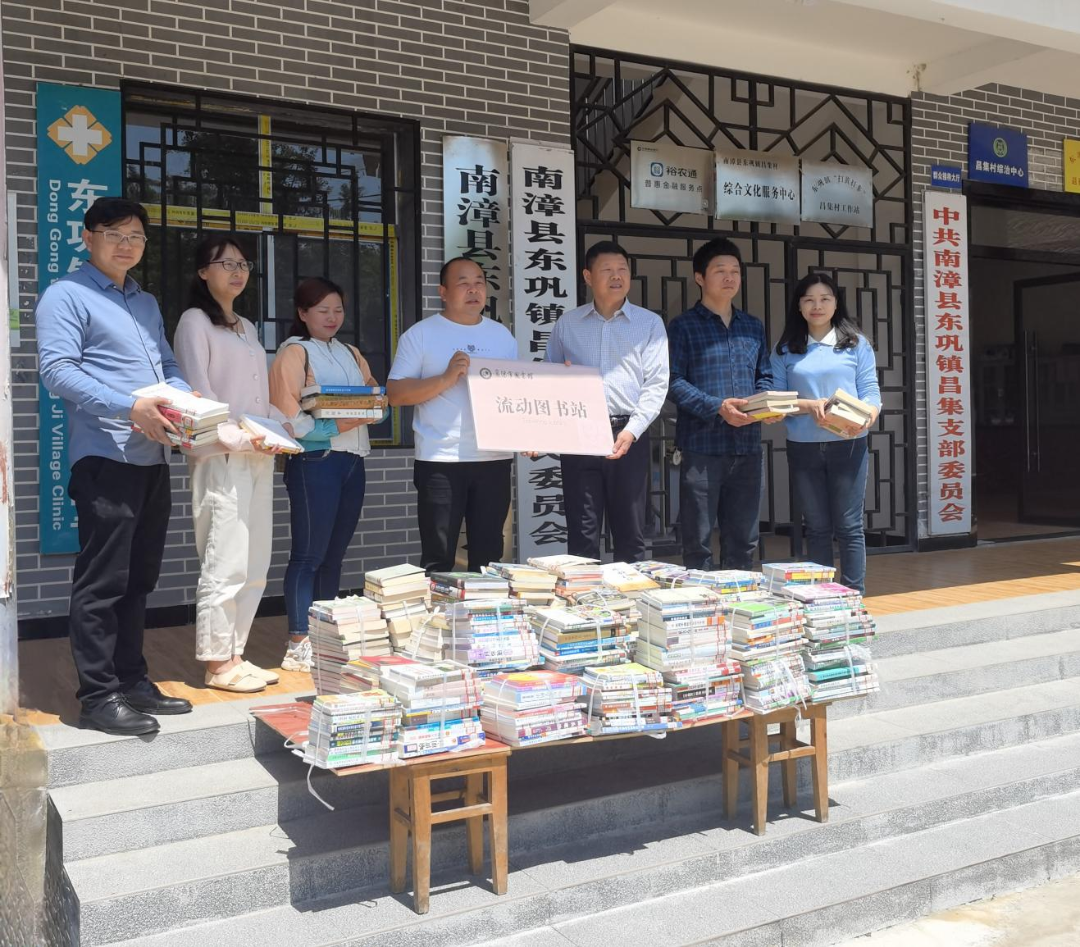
x=961, y=779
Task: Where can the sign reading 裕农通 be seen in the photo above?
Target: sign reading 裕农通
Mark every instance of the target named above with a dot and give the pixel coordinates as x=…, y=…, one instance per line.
x=948, y=369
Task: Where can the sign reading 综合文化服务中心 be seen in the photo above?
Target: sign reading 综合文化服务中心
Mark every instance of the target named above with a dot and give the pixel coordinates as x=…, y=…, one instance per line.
x=78, y=161
x=997, y=155
x=757, y=185
x=666, y=176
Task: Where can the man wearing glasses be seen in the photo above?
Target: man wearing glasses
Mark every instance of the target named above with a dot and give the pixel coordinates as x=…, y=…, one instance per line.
x=100, y=337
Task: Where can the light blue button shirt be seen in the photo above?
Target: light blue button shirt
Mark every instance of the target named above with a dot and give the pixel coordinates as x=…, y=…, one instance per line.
x=818, y=373
x=96, y=345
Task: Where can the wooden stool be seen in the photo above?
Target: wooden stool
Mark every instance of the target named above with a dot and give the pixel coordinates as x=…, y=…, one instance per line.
x=755, y=754
x=411, y=800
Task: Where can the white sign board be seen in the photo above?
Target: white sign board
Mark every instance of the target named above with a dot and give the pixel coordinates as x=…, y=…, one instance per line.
x=664, y=176
x=837, y=194
x=757, y=185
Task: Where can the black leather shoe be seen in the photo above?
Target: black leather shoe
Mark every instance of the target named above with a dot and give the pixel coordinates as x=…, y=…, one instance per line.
x=146, y=697
x=113, y=715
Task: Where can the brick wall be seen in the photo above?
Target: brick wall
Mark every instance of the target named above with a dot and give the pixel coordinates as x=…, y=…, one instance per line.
x=477, y=68
x=939, y=136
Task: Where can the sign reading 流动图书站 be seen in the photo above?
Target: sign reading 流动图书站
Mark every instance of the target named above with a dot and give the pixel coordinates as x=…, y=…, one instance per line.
x=476, y=190
x=543, y=240
x=78, y=161
x=997, y=155
x=838, y=194
x=757, y=185
x=666, y=176
x=948, y=361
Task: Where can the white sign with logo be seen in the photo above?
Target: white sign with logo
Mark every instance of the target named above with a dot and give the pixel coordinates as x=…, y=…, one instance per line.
x=476, y=190
x=664, y=176
x=837, y=194
x=757, y=185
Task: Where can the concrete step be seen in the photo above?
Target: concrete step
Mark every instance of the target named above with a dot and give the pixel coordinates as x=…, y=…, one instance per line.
x=889, y=833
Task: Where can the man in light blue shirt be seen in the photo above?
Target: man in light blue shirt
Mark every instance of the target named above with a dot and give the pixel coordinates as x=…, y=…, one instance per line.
x=629, y=346
x=100, y=338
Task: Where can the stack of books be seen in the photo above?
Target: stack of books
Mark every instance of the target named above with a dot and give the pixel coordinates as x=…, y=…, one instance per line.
x=402, y=593
x=575, y=637
x=490, y=635
x=532, y=585
x=771, y=404
x=366, y=402
x=624, y=604
x=352, y=729
x=572, y=573
x=341, y=630
x=846, y=415
x=779, y=574
x=772, y=683
x=627, y=698
x=196, y=419
x=524, y=708
x=626, y=578
x=767, y=643
x=449, y=587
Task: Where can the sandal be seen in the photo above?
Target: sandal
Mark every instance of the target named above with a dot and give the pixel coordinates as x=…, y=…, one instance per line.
x=262, y=674
x=238, y=680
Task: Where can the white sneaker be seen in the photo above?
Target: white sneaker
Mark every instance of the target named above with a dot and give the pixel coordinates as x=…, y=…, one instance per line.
x=298, y=656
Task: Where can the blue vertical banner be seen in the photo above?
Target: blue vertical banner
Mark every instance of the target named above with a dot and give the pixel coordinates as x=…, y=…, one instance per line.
x=78, y=159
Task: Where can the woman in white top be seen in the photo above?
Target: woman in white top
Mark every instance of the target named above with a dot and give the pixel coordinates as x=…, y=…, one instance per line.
x=325, y=483
x=232, y=480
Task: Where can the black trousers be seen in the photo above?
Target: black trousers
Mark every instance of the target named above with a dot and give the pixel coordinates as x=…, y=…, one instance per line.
x=595, y=488
x=123, y=521
x=477, y=492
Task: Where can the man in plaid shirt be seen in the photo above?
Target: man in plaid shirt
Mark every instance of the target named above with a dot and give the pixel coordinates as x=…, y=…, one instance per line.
x=719, y=357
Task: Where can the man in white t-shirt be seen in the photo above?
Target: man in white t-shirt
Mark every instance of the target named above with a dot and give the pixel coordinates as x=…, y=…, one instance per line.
x=454, y=480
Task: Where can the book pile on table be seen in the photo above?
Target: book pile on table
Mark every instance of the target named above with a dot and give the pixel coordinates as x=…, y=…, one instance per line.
x=575, y=637
x=764, y=405
x=532, y=585
x=624, y=604
x=767, y=643
x=627, y=578
x=402, y=594
x=627, y=698
x=779, y=574
x=734, y=582
x=685, y=635
x=523, y=708
x=366, y=402
x=846, y=415
x=352, y=730
x=490, y=635
x=341, y=630
x=196, y=419
x=572, y=573
x=448, y=587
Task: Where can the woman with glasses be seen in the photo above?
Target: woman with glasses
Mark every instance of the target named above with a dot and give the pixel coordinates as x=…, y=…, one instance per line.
x=232, y=480
x=821, y=350
x=326, y=482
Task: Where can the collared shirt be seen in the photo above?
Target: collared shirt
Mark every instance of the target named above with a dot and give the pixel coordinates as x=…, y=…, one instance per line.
x=630, y=349
x=818, y=372
x=96, y=345
x=711, y=362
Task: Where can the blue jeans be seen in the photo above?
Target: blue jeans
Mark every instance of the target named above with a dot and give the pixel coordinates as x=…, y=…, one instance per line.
x=829, y=479
x=726, y=490
x=326, y=494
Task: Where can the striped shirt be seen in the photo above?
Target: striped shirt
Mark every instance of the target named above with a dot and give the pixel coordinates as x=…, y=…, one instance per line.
x=630, y=349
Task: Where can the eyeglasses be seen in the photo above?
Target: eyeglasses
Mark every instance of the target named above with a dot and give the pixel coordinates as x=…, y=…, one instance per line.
x=231, y=266
x=115, y=238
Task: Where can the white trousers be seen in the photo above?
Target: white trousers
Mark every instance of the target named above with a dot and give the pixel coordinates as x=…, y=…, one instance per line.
x=232, y=504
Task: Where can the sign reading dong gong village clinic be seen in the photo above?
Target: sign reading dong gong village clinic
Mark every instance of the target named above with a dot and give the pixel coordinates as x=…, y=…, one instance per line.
x=78, y=154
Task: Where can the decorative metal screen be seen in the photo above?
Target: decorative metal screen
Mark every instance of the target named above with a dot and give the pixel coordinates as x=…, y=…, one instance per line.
x=617, y=99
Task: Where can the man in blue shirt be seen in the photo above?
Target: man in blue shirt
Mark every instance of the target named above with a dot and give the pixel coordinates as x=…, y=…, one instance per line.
x=719, y=357
x=100, y=338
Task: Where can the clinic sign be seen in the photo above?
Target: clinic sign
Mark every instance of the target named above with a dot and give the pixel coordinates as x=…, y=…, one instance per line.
x=997, y=155
x=78, y=159
x=664, y=176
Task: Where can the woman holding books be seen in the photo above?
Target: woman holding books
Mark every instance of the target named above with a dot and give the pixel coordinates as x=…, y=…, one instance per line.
x=232, y=475
x=820, y=353
x=326, y=482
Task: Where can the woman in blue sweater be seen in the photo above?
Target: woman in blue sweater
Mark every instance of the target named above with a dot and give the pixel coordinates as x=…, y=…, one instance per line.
x=821, y=350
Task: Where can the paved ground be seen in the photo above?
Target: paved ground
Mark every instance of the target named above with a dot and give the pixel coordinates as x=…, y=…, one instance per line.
x=1048, y=916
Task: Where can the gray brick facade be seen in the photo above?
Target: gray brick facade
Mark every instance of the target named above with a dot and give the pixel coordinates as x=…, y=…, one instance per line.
x=478, y=68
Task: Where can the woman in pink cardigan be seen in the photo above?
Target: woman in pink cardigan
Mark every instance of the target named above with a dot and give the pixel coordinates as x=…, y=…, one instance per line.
x=232, y=480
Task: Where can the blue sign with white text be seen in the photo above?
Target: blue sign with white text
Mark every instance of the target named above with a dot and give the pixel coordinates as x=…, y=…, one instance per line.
x=78, y=160
x=945, y=175
x=997, y=155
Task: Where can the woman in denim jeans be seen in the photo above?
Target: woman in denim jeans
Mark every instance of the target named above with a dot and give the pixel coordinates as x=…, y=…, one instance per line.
x=325, y=483
x=821, y=349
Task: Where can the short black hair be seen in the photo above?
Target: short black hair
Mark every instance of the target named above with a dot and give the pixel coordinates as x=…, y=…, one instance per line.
x=449, y=263
x=109, y=211
x=604, y=246
x=721, y=246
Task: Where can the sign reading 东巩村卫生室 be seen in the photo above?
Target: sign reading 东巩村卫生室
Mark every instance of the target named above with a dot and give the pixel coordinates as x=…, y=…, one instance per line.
x=1070, y=163
x=838, y=194
x=945, y=175
x=997, y=155
x=665, y=176
x=78, y=161
x=476, y=190
x=757, y=185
